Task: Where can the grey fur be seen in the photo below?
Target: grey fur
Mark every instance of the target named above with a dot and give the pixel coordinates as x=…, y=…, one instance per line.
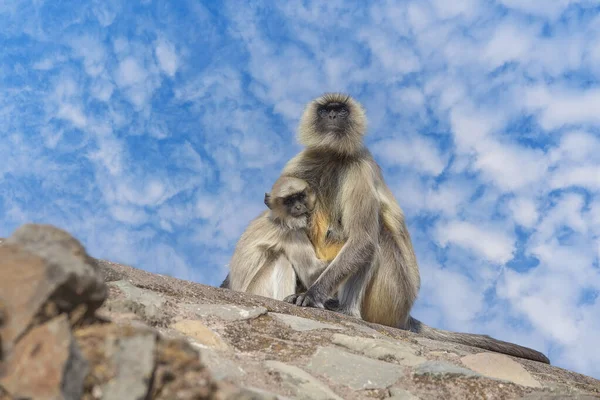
x=274, y=252
x=375, y=273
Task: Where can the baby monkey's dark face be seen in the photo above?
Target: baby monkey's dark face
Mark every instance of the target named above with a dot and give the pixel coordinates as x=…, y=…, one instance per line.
x=333, y=117
x=296, y=204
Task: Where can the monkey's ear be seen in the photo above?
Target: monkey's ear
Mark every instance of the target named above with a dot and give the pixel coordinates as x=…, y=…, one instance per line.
x=267, y=200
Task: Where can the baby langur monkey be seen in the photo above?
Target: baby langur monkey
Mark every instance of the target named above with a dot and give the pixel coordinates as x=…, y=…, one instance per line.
x=275, y=252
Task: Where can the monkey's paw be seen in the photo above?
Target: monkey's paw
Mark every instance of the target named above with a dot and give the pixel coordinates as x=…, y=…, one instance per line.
x=306, y=299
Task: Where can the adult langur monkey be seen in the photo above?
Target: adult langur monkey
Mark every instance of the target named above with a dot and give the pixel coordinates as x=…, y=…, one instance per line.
x=274, y=255
x=358, y=227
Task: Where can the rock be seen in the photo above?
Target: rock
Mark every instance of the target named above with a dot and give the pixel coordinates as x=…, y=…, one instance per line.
x=227, y=312
x=304, y=385
x=43, y=272
x=254, y=394
x=380, y=349
x=401, y=394
x=500, y=366
x=548, y=396
x=45, y=364
x=440, y=369
x=356, y=372
x=113, y=351
x=302, y=324
x=132, y=360
x=200, y=333
x=145, y=303
x=180, y=374
x=219, y=366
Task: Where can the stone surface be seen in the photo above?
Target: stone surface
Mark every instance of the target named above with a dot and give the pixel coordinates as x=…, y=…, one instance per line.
x=439, y=369
x=199, y=332
x=132, y=359
x=501, y=367
x=44, y=272
x=380, y=349
x=202, y=342
x=401, y=394
x=219, y=366
x=303, y=324
x=227, y=312
x=356, y=372
x=45, y=364
x=304, y=385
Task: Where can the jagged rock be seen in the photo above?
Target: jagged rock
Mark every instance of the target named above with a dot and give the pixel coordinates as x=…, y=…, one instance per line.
x=45, y=364
x=356, y=372
x=123, y=360
x=302, y=324
x=501, y=367
x=146, y=304
x=45, y=272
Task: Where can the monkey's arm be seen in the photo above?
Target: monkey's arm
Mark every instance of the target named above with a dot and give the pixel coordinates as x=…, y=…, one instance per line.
x=360, y=220
x=304, y=260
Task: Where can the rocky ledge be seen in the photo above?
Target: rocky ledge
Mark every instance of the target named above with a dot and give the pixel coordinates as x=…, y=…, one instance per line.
x=74, y=327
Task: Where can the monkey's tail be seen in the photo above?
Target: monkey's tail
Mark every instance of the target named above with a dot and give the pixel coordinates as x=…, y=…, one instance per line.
x=481, y=341
x=225, y=283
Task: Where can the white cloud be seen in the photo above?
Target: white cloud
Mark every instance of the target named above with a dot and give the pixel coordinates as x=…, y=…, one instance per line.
x=524, y=211
x=130, y=72
x=494, y=244
x=167, y=57
x=542, y=8
x=415, y=152
x=559, y=107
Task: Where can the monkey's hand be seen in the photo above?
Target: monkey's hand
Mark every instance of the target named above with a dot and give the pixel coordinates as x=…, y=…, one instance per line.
x=307, y=299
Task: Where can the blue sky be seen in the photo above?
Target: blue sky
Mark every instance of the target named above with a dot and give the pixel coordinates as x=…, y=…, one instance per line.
x=151, y=130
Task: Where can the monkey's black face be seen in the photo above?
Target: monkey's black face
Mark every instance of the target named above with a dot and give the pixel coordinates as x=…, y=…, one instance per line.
x=333, y=117
x=296, y=205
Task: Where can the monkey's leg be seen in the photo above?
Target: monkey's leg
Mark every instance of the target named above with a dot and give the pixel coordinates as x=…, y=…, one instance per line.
x=393, y=287
x=351, y=293
x=275, y=280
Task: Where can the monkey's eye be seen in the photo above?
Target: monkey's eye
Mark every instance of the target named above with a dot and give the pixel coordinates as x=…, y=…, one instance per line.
x=344, y=112
x=288, y=201
x=322, y=112
x=301, y=196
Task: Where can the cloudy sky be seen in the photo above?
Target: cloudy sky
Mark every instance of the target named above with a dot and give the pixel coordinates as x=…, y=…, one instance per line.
x=151, y=130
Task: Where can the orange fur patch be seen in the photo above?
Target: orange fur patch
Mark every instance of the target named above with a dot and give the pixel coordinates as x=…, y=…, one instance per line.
x=326, y=250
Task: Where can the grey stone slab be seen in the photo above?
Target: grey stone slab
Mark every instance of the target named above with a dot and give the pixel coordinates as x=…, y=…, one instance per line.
x=500, y=366
x=354, y=371
x=401, y=394
x=440, y=368
x=304, y=385
x=380, y=349
x=303, y=324
x=134, y=359
x=227, y=312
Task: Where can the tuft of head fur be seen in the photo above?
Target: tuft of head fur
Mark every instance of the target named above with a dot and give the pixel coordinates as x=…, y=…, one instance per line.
x=283, y=188
x=349, y=141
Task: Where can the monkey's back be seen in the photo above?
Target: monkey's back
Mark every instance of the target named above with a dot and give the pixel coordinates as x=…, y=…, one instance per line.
x=260, y=243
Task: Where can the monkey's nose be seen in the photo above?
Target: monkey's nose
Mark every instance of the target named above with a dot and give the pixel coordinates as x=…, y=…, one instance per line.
x=332, y=114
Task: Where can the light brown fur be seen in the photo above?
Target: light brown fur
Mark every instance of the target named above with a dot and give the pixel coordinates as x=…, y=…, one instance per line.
x=360, y=227
x=275, y=251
